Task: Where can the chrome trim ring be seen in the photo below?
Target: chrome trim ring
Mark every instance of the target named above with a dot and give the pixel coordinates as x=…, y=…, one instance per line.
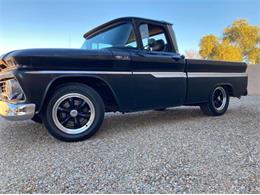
x=73, y=113
x=219, y=98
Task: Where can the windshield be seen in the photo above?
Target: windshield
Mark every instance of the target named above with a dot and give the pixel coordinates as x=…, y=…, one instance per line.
x=119, y=36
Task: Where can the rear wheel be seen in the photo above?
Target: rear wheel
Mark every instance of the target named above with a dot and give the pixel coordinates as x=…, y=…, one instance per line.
x=218, y=102
x=74, y=113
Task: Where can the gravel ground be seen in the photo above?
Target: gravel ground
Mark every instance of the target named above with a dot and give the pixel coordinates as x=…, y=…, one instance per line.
x=176, y=151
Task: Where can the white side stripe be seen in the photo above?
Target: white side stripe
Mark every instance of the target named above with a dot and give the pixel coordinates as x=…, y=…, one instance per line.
x=76, y=72
x=215, y=74
x=163, y=74
x=154, y=74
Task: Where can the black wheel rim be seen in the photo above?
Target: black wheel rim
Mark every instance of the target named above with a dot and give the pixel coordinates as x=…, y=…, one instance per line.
x=219, y=98
x=73, y=113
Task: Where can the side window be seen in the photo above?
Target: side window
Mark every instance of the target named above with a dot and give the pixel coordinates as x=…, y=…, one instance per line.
x=131, y=41
x=153, y=38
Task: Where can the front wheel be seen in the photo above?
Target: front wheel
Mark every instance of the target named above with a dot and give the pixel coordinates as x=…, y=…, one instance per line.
x=218, y=102
x=74, y=113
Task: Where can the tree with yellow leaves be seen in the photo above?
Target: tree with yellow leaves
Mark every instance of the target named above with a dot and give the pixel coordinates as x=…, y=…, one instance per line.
x=228, y=52
x=207, y=45
x=246, y=37
x=241, y=41
x=254, y=56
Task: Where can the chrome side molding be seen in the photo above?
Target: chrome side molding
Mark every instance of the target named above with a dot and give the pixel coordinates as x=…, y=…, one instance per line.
x=216, y=74
x=155, y=74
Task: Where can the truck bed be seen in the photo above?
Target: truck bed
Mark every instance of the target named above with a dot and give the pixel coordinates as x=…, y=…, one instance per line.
x=214, y=66
x=204, y=75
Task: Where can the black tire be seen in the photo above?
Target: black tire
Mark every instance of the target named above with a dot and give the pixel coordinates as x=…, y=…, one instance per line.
x=81, y=98
x=218, y=102
x=37, y=119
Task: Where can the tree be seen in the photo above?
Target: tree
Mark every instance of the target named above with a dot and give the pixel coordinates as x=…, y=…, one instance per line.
x=226, y=51
x=245, y=36
x=254, y=56
x=212, y=48
x=241, y=41
x=207, y=45
x=192, y=54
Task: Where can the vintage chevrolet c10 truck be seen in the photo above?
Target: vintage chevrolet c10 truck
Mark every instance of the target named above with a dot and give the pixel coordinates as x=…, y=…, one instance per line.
x=126, y=65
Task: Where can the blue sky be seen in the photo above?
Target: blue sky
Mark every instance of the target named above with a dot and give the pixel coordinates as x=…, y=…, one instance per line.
x=61, y=23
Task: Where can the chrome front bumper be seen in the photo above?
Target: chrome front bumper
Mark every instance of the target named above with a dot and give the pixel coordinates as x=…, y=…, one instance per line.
x=16, y=112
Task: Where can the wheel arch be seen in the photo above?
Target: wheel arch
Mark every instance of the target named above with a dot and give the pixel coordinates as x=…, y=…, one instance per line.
x=228, y=86
x=102, y=87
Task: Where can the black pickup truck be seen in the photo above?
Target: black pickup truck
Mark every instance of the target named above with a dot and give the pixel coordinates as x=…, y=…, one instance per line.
x=126, y=65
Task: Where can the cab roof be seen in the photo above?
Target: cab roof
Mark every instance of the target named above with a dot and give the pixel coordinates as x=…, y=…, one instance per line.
x=118, y=20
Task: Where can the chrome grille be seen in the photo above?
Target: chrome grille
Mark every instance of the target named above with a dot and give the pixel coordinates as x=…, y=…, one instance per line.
x=3, y=90
x=2, y=67
x=3, y=87
x=10, y=90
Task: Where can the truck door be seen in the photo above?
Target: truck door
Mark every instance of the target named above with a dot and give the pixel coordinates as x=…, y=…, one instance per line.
x=158, y=74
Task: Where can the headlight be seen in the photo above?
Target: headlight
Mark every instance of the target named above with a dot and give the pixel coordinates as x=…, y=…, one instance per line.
x=11, y=90
x=11, y=64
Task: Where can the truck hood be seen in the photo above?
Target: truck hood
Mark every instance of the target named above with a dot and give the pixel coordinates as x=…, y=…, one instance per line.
x=53, y=59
